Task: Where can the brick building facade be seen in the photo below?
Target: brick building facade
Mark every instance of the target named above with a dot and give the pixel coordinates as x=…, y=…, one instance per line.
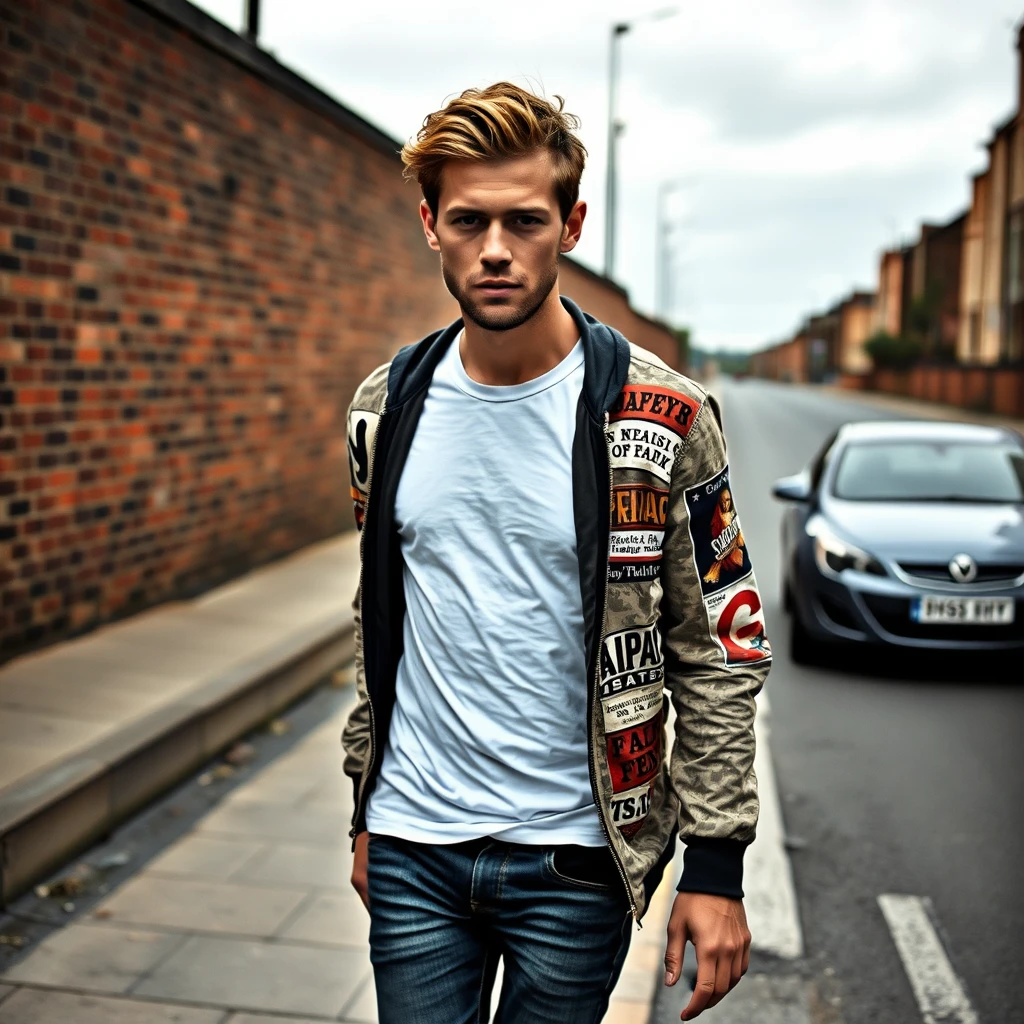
x=201, y=255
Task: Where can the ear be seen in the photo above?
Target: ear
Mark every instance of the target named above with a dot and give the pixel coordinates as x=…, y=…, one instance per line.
x=573, y=227
x=428, y=226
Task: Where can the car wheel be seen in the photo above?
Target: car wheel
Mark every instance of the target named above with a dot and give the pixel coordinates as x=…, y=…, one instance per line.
x=787, y=596
x=803, y=648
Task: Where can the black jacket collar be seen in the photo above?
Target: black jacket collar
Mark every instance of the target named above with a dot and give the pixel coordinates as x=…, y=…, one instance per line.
x=605, y=355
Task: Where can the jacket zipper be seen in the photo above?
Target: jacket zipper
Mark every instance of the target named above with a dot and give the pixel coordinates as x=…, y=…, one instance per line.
x=597, y=687
x=362, y=618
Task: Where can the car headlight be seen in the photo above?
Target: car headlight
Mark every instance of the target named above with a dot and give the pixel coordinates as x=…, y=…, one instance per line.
x=833, y=554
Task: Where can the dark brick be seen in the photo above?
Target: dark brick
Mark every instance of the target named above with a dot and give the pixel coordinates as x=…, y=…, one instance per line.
x=8, y=262
x=86, y=293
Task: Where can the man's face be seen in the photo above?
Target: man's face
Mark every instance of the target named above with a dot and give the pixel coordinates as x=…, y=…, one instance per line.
x=499, y=231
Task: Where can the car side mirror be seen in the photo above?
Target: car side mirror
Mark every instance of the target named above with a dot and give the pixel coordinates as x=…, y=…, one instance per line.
x=793, y=488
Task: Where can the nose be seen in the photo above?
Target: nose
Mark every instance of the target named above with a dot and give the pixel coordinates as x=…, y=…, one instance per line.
x=495, y=251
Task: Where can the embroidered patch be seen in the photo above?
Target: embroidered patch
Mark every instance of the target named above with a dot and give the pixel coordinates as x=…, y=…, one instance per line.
x=733, y=605
x=638, y=517
x=362, y=428
x=632, y=705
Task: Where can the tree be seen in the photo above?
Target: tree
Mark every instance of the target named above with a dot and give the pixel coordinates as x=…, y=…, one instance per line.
x=893, y=352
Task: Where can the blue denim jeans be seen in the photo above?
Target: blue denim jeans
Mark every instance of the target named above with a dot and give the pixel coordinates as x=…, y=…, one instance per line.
x=441, y=916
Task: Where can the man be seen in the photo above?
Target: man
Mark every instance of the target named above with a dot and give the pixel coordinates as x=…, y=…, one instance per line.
x=539, y=565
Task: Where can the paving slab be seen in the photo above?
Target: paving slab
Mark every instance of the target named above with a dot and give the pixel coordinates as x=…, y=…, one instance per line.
x=67, y=697
x=190, y=904
x=362, y=1008
x=326, y=867
x=38, y=1006
x=259, y=976
x=207, y=857
x=95, y=960
x=262, y=819
x=262, y=1018
x=337, y=919
x=272, y=786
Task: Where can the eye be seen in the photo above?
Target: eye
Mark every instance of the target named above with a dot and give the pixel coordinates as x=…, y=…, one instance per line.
x=527, y=220
x=468, y=220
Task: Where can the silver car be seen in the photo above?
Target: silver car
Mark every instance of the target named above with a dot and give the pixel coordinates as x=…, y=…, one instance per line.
x=909, y=534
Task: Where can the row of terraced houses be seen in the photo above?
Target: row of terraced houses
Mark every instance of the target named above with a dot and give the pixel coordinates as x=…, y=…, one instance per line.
x=957, y=292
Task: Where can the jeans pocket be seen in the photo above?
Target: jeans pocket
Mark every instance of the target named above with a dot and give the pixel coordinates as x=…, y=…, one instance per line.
x=584, y=867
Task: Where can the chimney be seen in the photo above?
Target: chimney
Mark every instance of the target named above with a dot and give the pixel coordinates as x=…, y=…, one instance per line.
x=1020, y=67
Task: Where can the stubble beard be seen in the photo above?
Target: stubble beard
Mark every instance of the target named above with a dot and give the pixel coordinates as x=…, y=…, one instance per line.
x=501, y=318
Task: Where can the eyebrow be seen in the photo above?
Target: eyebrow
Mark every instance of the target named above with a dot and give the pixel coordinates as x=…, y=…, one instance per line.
x=531, y=211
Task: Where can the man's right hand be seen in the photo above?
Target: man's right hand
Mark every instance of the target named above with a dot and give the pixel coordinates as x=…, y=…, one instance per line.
x=359, y=859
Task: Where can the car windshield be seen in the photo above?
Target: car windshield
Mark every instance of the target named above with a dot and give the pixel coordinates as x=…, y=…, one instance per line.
x=930, y=471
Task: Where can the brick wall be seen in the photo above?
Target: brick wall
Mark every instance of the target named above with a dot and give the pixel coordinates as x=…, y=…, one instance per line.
x=200, y=257
x=611, y=305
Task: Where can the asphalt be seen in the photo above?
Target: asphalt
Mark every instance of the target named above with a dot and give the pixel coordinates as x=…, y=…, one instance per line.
x=895, y=776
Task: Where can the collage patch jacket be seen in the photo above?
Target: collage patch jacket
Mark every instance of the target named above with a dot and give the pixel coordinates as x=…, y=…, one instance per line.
x=669, y=598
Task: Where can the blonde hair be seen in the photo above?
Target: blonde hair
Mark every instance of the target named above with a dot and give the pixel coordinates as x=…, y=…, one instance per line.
x=502, y=120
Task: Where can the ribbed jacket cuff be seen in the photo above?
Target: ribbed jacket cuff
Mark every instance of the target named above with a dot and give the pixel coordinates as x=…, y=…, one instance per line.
x=714, y=866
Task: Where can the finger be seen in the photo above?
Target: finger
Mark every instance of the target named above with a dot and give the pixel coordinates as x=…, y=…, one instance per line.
x=674, y=951
x=746, y=956
x=707, y=965
x=737, y=969
x=723, y=977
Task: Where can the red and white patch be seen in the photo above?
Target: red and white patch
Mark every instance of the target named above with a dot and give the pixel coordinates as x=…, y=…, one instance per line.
x=669, y=409
x=737, y=622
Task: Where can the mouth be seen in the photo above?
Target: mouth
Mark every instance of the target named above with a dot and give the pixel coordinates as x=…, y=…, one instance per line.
x=497, y=289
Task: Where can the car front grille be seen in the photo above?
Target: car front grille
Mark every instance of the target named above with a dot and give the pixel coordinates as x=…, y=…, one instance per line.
x=893, y=615
x=938, y=572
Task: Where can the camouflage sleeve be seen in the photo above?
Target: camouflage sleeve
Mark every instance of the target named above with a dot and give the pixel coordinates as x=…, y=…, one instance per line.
x=717, y=657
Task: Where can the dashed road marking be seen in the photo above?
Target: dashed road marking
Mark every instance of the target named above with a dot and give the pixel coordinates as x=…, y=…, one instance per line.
x=937, y=989
x=770, y=899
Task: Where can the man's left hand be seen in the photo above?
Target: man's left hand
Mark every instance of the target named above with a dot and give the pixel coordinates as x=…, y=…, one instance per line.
x=717, y=927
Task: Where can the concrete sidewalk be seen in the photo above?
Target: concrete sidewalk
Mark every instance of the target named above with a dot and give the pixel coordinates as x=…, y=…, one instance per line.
x=94, y=728
x=248, y=919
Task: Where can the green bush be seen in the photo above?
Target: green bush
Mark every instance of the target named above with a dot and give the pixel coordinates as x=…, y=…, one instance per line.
x=893, y=353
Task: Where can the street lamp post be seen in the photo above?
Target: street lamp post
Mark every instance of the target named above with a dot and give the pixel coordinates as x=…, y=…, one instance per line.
x=662, y=256
x=615, y=128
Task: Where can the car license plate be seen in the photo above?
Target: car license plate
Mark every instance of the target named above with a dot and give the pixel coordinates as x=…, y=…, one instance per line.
x=974, y=611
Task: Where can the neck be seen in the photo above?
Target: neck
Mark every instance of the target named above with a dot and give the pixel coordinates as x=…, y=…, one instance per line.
x=501, y=358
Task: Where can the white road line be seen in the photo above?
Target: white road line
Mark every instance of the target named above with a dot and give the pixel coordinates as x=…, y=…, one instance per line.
x=939, y=992
x=770, y=899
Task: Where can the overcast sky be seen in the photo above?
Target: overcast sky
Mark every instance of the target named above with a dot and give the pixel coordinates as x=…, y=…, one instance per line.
x=806, y=135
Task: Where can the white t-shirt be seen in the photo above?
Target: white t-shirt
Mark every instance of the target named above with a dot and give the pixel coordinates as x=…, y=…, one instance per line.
x=488, y=735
